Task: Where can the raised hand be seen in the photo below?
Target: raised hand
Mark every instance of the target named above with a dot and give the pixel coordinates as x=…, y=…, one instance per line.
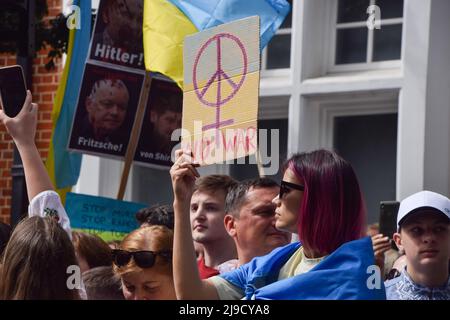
x=183, y=174
x=22, y=128
x=188, y=284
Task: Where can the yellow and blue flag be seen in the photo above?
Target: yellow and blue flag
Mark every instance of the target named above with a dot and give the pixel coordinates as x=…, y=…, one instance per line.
x=164, y=29
x=168, y=22
x=206, y=14
x=62, y=166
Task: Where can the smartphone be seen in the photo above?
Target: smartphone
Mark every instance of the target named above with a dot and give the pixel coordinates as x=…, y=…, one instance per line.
x=13, y=90
x=388, y=217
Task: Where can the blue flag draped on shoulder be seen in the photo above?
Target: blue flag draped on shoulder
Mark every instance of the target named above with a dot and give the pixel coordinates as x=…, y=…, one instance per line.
x=346, y=274
x=210, y=13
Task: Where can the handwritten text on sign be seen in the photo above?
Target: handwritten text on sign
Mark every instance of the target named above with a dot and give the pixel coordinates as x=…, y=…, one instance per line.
x=221, y=88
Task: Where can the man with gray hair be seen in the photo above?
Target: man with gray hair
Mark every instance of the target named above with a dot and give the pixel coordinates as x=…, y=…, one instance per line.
x=250, y=220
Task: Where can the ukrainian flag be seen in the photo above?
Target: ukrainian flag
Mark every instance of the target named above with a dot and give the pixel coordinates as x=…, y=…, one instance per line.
x=168, y=22
x=64, y=167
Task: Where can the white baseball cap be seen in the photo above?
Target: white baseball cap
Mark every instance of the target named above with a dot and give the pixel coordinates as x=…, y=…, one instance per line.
x=423, y=199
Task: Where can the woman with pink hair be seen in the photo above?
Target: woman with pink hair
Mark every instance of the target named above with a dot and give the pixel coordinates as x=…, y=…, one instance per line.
x=320, y=200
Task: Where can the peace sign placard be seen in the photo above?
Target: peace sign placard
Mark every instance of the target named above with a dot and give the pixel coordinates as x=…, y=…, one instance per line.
x=221, y=89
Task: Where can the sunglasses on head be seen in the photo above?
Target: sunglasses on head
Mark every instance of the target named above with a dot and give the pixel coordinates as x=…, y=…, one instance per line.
x=143, y=259
x=285, y=187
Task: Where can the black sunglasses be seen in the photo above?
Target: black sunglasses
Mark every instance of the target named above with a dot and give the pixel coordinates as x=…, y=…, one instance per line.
x=143, y=259
x=285, y=187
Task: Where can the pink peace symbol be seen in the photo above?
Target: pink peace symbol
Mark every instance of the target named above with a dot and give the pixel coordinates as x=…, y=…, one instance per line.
x=219, y=74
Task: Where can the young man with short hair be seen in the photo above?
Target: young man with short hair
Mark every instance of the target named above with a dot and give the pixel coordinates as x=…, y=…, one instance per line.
x=423, y=223
x=207, y=212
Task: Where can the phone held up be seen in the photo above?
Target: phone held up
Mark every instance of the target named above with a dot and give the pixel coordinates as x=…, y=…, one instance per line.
x=13, y=90
x=388, y=217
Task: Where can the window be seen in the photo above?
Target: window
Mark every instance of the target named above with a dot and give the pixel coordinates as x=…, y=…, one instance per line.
x=277, y=54
x=369, y=143
x=356, y=46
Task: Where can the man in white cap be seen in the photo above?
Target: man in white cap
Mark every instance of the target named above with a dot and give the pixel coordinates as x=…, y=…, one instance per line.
x=423, y=232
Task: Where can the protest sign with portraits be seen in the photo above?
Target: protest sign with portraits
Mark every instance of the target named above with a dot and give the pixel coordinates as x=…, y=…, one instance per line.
x=105, y=111
x=117, y=37
x=162, y=117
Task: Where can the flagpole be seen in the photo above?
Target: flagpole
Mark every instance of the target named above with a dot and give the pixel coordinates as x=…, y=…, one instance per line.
x=132, y=145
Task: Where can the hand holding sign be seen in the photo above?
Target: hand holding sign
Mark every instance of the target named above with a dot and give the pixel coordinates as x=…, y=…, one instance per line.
x=183, y=174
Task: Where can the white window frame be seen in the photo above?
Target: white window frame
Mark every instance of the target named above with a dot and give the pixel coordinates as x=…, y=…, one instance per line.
x=329, y=112
x=316, y=125
x=281, y=72
x=369, y=64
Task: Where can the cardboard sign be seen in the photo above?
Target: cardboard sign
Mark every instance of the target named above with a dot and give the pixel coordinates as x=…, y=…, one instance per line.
x=221, y=91
x=109, y=218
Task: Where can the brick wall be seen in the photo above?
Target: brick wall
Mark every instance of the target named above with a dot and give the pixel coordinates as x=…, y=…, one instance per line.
x=44, y=86
x=6, y=156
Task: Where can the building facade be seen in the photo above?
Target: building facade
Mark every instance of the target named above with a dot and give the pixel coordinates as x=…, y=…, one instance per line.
x=372, y=83
x=44, y=85
x=367, y=78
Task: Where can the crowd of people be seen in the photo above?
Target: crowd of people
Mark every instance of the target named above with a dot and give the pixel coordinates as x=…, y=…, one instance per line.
x=228, y=239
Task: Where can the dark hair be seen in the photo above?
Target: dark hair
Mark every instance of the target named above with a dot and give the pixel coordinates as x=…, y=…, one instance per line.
x=102, y=284
x=215, y=182
x=237, y=194
x=332, y=211
x=161, y=215
x=5, y=234
x=35, y=262
x=92, y=248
